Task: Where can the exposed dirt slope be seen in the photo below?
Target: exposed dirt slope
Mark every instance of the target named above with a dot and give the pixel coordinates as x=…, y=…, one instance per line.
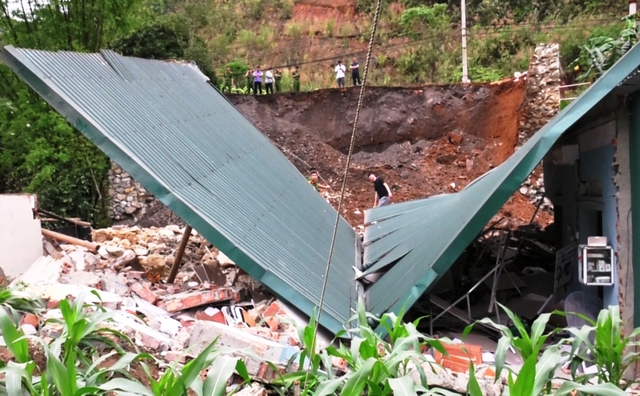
x=424, y=141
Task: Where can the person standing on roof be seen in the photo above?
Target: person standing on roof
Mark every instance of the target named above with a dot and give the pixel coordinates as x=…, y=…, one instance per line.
x=277, y=76
x=249, y=76
x=313, y=180
x=383, y=192
x=228, y=80
x=268, y=81
x=257, y=81
x=340, y=73
x=355, y=72
x=296, y=78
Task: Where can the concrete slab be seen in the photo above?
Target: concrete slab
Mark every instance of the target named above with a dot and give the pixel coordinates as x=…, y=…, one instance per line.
x=20, y=235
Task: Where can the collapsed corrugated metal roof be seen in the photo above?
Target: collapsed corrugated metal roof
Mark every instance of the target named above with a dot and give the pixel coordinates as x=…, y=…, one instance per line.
x=187, y=145
x=416, y=242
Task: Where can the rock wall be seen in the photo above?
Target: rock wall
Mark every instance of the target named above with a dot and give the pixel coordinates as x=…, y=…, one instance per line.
x=540, y=105
x=542, y=97
x=129, y=200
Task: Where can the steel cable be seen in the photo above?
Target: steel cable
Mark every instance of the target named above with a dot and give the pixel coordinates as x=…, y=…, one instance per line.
x=346, y=172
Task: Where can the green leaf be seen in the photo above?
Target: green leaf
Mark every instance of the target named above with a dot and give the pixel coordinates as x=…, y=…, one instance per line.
x=192, y=370
x=241, y=369
x=17, y=345
x=525, y=381
x=59, y=375
x=537, y=328
x=328, y=387
x=356, y=383
x=546, y=367
x=126, y=385
x=501, y=354
x=219, y=373
x=13, y=380
x=403, y=386
x=595, y=390
x=473, y=387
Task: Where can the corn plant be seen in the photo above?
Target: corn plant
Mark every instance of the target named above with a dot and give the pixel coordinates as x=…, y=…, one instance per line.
x=177, y=380
x=610, y=351
x=537, y=371
x=534, y=377
x=71, y=366
x=18, y=300
x=374, y=366
x=74, y=360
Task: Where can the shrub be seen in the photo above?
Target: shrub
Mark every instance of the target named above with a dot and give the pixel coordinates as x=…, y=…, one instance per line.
x=292, y=29
x=330, y=27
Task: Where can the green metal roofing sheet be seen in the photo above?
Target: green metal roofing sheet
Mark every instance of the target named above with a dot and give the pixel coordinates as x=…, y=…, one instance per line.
x=186, y=144
x=416, y=242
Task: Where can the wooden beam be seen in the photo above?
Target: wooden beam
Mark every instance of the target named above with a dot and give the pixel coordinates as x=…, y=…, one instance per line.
x=179, y=254
x=93, y=247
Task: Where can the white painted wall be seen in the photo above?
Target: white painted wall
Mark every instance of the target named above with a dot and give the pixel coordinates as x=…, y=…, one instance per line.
x=20, y=235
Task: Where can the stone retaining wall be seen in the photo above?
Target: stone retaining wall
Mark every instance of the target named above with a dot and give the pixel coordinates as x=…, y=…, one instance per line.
x=129, y=200
x=542, y=97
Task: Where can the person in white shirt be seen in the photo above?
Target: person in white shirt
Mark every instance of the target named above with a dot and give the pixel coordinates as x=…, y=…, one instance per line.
x=268, y=81
x=340, y=73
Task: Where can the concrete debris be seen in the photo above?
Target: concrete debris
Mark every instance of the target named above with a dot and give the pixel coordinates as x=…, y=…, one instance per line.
x=211, y=297
x=439, y=377
x=258, y=349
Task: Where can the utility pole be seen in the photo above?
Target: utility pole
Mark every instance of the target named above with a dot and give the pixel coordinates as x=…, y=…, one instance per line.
x=465, y=66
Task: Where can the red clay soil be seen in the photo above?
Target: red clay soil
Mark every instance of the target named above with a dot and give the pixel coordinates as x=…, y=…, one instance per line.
x=424, y=141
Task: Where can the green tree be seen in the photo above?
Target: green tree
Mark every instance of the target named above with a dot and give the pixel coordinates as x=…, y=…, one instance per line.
x=39, y=151
x=168, y=37
x=604, y=49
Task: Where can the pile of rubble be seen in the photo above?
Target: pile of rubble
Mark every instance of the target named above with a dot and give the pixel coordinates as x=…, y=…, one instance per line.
x=211, y=297
x=533, y=189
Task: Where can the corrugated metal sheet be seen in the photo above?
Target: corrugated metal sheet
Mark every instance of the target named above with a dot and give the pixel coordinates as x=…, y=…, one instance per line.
x=416, y=242
x=188, y=146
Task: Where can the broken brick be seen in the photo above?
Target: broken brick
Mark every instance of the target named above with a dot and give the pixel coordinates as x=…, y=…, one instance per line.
x=273, y=310
x=216, y=317
x=144, y=292
x=273, y=323
x=30, y=319
x=53, y=304
x=149, y=342
x=185, y=300
x=178, y=357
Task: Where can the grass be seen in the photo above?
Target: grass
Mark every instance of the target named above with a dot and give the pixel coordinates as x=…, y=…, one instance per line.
x=293, y=29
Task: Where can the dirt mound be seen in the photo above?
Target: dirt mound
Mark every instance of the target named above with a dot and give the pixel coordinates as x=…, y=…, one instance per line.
x=423, y=141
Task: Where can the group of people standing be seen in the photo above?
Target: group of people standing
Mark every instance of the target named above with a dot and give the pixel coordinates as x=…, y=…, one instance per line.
x=272, y=78
x=341, y=72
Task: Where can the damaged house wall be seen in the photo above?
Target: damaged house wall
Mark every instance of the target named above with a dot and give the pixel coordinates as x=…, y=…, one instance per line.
x=20, y=236
x=587, y=178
